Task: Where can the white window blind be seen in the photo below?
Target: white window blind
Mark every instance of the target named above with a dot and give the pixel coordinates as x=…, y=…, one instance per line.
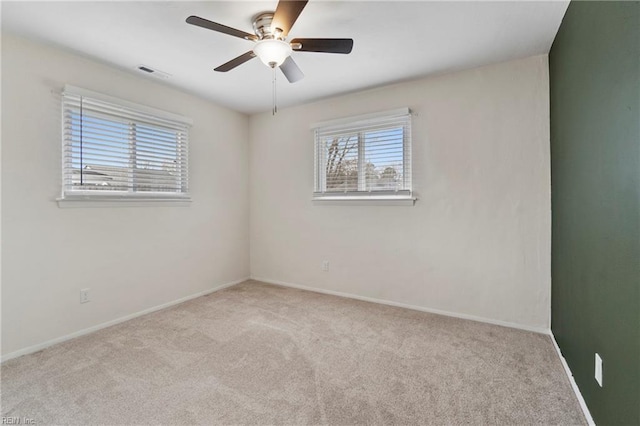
x=116, y=149
x=364, y=156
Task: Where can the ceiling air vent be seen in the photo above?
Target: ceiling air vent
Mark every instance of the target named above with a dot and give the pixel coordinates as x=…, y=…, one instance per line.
x=153, y=72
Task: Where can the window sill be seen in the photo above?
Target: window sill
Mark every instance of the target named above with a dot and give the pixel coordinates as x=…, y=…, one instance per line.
x=93, y=201
x=364, y=201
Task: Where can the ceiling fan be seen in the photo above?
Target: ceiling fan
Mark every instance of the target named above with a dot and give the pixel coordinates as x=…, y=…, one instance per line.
x=271, y=30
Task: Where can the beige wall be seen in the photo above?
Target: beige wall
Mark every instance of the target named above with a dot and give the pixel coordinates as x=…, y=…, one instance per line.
x=477, y=242
x=132, y=258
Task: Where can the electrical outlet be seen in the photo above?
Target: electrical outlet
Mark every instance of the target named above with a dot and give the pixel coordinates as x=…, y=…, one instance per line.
x=84, y=295
x=325, y=266
x=598, y=374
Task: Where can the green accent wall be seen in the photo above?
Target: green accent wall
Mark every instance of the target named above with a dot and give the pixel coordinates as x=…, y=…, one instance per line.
x=595, y=193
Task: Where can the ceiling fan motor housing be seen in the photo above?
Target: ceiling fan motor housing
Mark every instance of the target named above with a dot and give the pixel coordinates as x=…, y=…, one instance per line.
x=262, y=27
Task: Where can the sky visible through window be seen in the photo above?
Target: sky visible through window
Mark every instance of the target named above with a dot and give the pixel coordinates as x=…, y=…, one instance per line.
x=155, y=148
x=104, y=142
x=111, y=154
x=384, y=153
x=100, y=142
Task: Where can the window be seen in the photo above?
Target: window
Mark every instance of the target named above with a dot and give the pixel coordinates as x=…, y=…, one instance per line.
x=113, y=149
x=364, y=157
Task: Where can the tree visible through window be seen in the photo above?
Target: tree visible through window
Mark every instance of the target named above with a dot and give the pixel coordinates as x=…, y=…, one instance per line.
x=342, y=163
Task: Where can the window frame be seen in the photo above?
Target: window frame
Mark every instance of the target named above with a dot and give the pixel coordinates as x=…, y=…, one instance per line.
x=366, y=123
x=94, y=198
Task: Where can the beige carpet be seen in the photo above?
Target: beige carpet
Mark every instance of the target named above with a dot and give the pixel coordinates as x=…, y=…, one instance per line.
x=261, y=354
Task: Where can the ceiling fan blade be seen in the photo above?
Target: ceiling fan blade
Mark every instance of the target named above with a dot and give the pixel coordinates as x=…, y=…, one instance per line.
x=210, y=25
x=236, y=61
x=291, y=70
x=286, y=14
x=327, y=45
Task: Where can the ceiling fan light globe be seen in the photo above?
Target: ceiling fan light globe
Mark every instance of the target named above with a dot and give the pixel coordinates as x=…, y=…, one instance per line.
x=272, y=52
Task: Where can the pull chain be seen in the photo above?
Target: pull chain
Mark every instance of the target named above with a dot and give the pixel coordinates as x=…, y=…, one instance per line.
x=275, y=105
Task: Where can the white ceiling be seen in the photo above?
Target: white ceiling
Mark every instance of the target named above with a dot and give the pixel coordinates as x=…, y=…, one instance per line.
x=393, y=41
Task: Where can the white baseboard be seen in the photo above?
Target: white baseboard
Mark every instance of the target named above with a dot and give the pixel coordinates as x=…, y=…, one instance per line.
x=540, y=330
x=40, y=346
x=574, y=385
